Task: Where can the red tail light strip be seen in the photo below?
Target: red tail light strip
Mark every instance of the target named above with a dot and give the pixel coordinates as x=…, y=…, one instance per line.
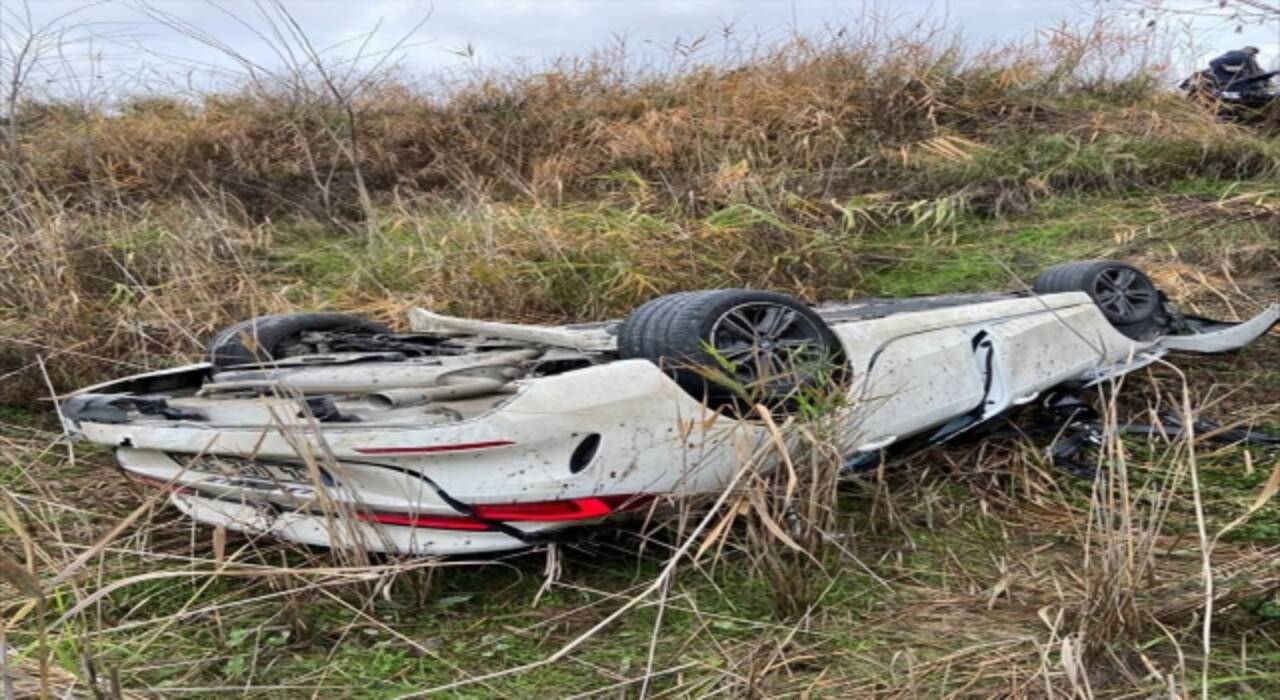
x=484, y=516
x=436, y=522
x=431, y=449
x=535, y=512
x=547, y=511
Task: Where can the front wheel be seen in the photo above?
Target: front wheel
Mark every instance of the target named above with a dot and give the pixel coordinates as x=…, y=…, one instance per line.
x=1124, y=294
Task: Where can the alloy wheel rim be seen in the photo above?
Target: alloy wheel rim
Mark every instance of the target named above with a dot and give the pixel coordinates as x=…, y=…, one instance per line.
x=767, y=345
x=1124, y=294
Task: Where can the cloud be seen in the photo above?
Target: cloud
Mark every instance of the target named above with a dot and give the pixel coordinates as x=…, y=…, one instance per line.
x=497, y=32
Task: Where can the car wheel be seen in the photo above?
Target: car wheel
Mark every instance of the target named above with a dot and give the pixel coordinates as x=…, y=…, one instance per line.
x=267, y=338
x=736, y=346
x=1126, y=296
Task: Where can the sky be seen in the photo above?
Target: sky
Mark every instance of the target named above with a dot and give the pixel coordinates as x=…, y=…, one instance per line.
x=127, y=41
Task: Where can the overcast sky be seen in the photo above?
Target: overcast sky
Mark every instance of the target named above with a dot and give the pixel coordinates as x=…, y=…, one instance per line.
x=491, y=33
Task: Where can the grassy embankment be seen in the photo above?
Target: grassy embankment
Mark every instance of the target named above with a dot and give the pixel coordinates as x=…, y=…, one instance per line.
x=831, y=170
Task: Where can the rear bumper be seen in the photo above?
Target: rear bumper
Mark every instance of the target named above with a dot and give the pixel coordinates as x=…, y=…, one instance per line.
x=317, y=529
x=629, y=430
x=308, y=504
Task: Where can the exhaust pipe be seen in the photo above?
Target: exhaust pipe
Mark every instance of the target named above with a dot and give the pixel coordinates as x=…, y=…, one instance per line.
x=451, y=388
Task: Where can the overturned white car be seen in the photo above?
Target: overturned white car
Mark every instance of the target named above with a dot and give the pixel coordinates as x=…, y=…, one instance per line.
x=472, y=436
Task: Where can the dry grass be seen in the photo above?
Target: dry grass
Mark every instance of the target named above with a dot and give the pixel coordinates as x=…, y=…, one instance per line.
x=811, y=119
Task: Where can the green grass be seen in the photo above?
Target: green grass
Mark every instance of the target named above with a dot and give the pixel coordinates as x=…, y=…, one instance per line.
x=608, y=258
x=17, y=415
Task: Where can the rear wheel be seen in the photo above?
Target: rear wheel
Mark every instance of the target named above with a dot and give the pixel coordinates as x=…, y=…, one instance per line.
x=735, y=346
x=267, y=338
x=1126, y=296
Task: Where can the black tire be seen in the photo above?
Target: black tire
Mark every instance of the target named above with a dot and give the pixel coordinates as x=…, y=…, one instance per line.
x=1126, y=296
x=735, y=346
x=267, y=338
x=639, y=336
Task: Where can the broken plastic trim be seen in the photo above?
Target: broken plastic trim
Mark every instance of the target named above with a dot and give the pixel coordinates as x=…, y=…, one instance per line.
x=1209, y=336
x=1078, y=435
x=1073, y=426
x=113, y=409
